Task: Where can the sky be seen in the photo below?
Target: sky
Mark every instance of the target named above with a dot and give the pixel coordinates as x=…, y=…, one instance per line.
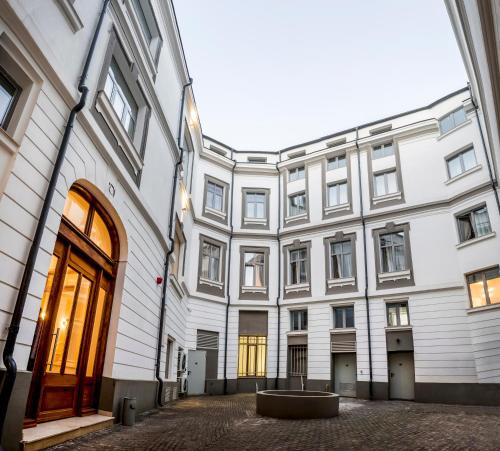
x=274, y=73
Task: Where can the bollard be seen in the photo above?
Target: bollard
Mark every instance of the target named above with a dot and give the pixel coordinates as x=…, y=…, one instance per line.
x=128, y=411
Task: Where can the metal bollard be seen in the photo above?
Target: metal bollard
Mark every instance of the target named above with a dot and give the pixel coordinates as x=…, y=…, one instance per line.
x=128, y=411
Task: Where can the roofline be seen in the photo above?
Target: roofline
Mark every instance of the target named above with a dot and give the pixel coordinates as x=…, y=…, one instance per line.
x=349, y=130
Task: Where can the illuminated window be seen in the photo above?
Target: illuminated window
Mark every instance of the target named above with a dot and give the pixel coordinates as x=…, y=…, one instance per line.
x=397, y=314
x=252, y=356
x=484, y=287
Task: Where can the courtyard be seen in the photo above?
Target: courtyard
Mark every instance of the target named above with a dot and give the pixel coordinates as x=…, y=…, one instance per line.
x=230, y=423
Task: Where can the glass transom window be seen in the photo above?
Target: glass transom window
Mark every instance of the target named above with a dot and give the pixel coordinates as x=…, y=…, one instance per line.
x=255, y=205
x=385, y=183
x=214, y=196
x=383, y=150
x=392, y=252
x=452, y=120
x=121, y=98
x=337, y=194
x=461, y=163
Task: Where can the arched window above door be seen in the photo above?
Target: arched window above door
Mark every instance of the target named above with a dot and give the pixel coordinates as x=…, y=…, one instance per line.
x=83, y=212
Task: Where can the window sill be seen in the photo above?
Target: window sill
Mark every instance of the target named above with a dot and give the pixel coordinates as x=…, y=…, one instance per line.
x=255, y=221
x=458, y=127
x=335, y=208
x=397, y=328
x=215, y=212
x=70, y=14
x=343, y=330
x=295, y=218
x=463, y=174
x=176, y=285
x=483, y=308
x=341, y=282
x=476, y=240
x=104, y=107
x=247, y=289
x=297, y=287
x=211, y=283
x=393, y=276
x=387, y=197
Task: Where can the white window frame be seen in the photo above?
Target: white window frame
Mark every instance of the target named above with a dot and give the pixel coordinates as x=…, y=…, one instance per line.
x=293, y=196
x=300, y=314
x=294, y=257
x=460, y=157
x=343, y=309
x=472, y=216
x=337, y=189
x=210, y=257
x=452, y=115
x=383, y=150
x=256, y=195
x=297, y=173
x=337, y=162
x=393, y=247
x=384, y=174
x=341, y=259
x=255, y=267
x=398, y=306
x=212, y=207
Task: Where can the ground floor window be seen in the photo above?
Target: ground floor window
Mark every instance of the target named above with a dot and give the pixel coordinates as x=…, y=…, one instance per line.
x=252, y=356
x=297, y=360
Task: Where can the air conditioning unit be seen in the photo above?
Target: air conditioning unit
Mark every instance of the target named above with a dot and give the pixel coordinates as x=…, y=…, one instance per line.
x=183, y=385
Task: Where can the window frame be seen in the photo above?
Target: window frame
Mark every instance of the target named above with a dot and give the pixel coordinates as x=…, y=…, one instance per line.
x=208, y=286
x=5, y=121
x=299, y=261
x=459, y=155
x=254, y=223
x=296, y=173
x=470, y=213
x=147, y=19
x=398, y=305
x=342, y=285
x=392, y=246
x=342, y=254
x=294, y=195
x=343, y=309
x=338, y=184
x=385, y=173
x=297, y=359
x=255, y=374
x=252, y=292
x=333, y=162
x=211, y=213
x=451, y=114
x=484, y=280
x=301, y=314
x=382, y=149
x=302, y=289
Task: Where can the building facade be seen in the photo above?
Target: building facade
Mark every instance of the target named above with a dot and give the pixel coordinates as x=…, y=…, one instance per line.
x=364, y=262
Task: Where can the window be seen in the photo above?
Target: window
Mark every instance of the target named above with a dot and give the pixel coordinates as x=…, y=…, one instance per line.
x=296, y=174
x=149, y=29
x=252, y=356
x=121, y=98
x=297, y=204
x=343, y=317
x=337, y=194
x=341, y=260
x=473, y=224
x=214, y=196
x=336, y=163
x=385, y=183
x=255, y=205
x=297, y=360
x=298, y=319
x=383, y=150
x=168, y=362
x=298, y=266
x=462, y=162
x=397, y=314
x=178, y=241
x=452, y=120
x=484, y=287
x=8, y=96
x=254, y=269
x=210, y=264
x=392, y=252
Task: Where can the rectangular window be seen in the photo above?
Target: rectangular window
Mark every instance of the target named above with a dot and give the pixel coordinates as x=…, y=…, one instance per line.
x=177, y=254
x=252, y=356
x=254, y=269
x=337, y=194
x=297, y=360
x=298, y=266
x=147, y=22
x=256, y=205
x=341, y=260
x=473, y=224
x=298, y=320
x=121, y=98
x=397, y=314
x=215, y=196
x=385, y=183
x=462, y=162
x=297, y=204
x=168, y=362
x=383, y=150
x=343, y=317
x=336, y=163
x=484, y=287
x=392, y=252
x=210, y=264
x=8, y=95
x=296, y=174
x=452, y=120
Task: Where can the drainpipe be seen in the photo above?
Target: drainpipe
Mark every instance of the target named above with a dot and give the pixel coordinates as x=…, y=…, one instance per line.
x=8, y=352
x=228, y=292
x=490, y=169
x=367, y=302
x=180, y=146
x=278, y=306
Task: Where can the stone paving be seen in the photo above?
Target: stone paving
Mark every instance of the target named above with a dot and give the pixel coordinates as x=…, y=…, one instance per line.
x=230, y=423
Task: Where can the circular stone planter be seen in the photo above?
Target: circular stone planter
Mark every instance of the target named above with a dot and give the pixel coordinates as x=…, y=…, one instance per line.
x=297, y=404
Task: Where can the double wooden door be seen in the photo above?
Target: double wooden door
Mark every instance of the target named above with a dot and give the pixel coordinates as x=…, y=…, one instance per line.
x=68, y=350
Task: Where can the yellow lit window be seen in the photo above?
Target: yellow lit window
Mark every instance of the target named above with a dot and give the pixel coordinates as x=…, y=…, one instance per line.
x=484, y=287
x=252, y=356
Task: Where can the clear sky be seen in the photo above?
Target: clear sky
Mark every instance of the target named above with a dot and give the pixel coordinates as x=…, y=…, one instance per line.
x=273, y=73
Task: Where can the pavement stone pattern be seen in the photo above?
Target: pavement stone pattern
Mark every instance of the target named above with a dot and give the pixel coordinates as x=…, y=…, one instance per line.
x=221, y=423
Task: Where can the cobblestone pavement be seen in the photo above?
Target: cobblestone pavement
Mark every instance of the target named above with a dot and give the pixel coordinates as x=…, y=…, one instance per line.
x=230, y=423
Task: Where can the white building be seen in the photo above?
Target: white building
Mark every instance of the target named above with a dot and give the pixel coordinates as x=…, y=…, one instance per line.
x=272, y=258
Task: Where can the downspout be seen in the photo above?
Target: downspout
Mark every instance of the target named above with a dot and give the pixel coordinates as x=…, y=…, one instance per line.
x=180, y=146
x=10, y=343
x=365, y=264
x=278, y=306
x=483, y=141
x=228, y=292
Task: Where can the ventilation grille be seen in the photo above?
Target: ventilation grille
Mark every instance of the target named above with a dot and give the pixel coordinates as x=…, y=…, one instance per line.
x=343, y=346
x=207, y=340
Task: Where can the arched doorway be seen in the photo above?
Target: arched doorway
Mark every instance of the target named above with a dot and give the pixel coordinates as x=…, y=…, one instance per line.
x=68, y=348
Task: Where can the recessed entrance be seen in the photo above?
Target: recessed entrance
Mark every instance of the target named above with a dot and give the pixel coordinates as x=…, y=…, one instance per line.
x=68, y=349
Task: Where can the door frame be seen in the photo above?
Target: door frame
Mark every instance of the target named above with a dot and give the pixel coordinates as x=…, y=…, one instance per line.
x=394, y=353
